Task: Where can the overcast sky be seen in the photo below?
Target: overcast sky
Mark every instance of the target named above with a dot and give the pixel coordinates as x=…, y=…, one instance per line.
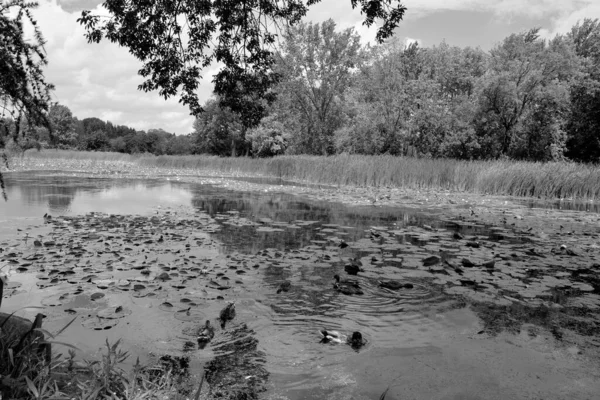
x=100, y=80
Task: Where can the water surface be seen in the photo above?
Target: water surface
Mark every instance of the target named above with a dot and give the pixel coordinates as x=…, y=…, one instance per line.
x=276, y=237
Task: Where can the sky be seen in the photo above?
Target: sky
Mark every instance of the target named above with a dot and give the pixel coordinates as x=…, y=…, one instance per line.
x=100, y=80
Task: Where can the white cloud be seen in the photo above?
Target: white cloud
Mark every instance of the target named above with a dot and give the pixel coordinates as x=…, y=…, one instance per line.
x=564, y=22
x=100, y=80
x=529, y=8
x=408, y=41
x=563, y=13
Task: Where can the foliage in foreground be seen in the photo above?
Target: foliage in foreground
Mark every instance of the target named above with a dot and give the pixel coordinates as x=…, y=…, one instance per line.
x=64, y=378
x=29, y=369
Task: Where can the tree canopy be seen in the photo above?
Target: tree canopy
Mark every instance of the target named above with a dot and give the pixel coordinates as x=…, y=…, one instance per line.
x=23, y=90
x=176, y=41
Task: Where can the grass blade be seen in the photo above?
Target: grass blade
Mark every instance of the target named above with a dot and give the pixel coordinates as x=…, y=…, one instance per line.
x=382, y=397
x=64, y=327
x=63, y=344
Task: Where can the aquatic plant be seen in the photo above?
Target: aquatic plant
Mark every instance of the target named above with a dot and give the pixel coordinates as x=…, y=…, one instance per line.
x=514, y=178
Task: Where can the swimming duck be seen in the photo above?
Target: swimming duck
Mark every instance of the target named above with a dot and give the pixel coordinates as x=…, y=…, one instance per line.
x=332, y=336
x=346, y=287
x=395, y=285
x=356, y=341
x=353, y=268
x=206, y=334
x=284, y=287
x=227, y=314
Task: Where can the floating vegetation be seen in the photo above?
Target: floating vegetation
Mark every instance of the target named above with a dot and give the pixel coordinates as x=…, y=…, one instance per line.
x=269, y=281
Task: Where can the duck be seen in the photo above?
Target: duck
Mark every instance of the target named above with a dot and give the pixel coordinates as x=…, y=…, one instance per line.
x=356, y=340
x=352, y=268
x=206, y=334
x=347, y=287
x=395, y=285
x=332, y=336
x=227, y=314
x=284, y=287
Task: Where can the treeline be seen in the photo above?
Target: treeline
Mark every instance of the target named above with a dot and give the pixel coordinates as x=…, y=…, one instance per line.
x=90, y=134
x=527, y=99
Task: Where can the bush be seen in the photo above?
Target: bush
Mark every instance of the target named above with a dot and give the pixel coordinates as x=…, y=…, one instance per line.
x=269, y=139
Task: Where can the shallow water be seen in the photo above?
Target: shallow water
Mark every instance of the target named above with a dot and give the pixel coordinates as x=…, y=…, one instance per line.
x=248, y=243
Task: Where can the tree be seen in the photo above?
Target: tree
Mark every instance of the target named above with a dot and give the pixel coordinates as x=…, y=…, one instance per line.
x=174, y=42
x=96, y=141
x=584, y=125
x=526, y=76
x=24, y=92
x=316, y=63
x=63, y=126
x=386, y=93
x=219, y=131
x=270, y=138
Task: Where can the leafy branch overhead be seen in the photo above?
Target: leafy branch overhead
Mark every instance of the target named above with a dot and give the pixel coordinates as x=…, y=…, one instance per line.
x=23, y=90
x=177, y=40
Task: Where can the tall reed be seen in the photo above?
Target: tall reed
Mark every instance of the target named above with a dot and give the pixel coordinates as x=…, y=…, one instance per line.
x=515, y=178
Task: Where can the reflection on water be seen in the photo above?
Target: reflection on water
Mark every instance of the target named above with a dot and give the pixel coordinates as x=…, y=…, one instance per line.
x=569, y=205
x=31, y=195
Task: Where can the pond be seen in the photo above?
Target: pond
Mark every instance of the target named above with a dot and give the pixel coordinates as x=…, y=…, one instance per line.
x=149, y=261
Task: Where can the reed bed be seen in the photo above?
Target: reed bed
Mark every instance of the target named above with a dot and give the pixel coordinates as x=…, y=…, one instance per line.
x=514, y=178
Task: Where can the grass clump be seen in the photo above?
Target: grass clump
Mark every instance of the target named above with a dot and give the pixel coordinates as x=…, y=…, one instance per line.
x=64, y=378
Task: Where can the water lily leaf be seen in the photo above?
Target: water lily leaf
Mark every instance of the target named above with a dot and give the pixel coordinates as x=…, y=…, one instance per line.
x=97, y=296
x=114, y=312
x=167, y=306
x=99, y=324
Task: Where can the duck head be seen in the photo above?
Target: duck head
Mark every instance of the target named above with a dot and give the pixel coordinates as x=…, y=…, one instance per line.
x=356, y=340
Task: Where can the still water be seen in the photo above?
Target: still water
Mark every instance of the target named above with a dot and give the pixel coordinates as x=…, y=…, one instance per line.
x=405, y=334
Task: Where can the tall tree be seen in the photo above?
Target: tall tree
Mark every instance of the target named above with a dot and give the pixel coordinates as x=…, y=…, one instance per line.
x=174, y=42
x=584, y=125
x=316, y=62
x=219, y=131
x=526, y=75
x=63, y=125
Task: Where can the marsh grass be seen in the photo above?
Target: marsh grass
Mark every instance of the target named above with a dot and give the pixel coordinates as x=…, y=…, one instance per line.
x=63, y=378
x=556, y=180
x=29, y=370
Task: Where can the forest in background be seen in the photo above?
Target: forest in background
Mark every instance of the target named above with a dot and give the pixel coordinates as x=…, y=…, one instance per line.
x=526, y=99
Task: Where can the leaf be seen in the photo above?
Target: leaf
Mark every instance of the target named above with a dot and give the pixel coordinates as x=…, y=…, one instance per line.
x=63, y=344
x=32, y=389
x=65, y=327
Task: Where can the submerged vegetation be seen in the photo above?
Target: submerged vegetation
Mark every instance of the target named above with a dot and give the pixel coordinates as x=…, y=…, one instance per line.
x=556, y=180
